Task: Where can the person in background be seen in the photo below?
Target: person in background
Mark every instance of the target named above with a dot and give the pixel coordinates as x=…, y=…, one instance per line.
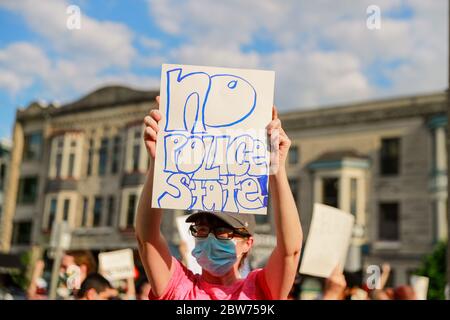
x=143, y=289
x=81, y=258
x=75, y=266
x=382, y=293
x=335, y=285
x=96, y=287
x=37, y=287
x=222, y=239
x=404, y=293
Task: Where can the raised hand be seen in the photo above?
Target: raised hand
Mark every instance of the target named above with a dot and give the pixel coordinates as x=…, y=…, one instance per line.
x=151, y=130
x=279, y=141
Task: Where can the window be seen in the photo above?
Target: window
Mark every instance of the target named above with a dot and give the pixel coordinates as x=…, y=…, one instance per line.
x=66, y=210
x=98, y=203
x=131, y=210
x=136, y=155
x=103, y=156
x=84, y=218
x=261, y=218
x=111, y=211
x=136, y=150
x=58, y=164
x=388, y=228
x=22, y=233
x=353, y=195
x=331, y=192
x=28, y=190
x=32, y=146
x=293, y=155
x=2, y=175
x=90, y=157
x=116, y=155
x=71, y=165
x=52, y=213
x=293, y=183
x=390, y=156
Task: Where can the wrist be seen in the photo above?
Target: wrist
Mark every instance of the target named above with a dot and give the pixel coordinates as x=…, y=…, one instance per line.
x=280, y=173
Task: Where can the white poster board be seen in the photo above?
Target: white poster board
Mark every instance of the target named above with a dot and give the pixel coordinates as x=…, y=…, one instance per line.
x=420, y=286
x=183, y=230
x=212, y=150
x=116, y=265
x=328, y=241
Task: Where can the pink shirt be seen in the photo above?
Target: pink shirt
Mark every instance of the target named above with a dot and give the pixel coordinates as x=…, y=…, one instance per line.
x=184, y=285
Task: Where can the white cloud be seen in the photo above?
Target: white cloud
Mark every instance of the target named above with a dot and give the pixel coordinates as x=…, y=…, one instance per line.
x=219, y=24
x=101, y=43
x=209, y=55
x=317, y=78
x=150, y=43
x=323, y=52
x=20, y=64
x=80, y=59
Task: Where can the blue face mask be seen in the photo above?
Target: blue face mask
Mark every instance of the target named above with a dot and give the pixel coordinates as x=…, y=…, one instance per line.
x=214, y=255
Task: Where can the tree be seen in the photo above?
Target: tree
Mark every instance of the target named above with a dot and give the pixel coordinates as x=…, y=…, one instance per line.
x=434, y=267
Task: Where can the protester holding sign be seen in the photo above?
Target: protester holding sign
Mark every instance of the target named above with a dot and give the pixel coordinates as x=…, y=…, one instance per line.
x=222, y=239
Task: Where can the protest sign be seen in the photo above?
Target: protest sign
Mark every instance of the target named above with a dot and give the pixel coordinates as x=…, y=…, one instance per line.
x=116, y=265
x=328, y=241
x=420, y=286
x=188, y=239
x=212, y=149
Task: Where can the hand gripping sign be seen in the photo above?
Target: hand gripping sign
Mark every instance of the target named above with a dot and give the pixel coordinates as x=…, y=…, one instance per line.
x=212, y=148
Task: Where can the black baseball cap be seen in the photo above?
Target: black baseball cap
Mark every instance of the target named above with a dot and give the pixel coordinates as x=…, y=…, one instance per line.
x=235, y=220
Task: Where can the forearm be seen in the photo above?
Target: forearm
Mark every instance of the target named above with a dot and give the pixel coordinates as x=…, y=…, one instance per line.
x=287, y=221
x=148, y=219
x=153, y=248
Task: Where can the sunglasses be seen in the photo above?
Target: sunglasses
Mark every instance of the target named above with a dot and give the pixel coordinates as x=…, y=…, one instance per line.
x=221, y=233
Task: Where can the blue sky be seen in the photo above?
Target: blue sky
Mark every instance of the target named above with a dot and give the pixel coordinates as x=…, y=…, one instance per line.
x=323, y=54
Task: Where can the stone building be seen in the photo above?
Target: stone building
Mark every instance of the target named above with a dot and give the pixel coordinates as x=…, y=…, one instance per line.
x=383, y=161
x=5, y=150
x=85, y=162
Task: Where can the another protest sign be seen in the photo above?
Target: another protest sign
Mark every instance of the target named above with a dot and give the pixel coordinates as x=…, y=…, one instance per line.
x=117, y=265
x=420, y=286
x=328, y=241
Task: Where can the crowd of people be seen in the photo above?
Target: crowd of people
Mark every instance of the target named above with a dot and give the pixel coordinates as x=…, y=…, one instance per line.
x=95, y=286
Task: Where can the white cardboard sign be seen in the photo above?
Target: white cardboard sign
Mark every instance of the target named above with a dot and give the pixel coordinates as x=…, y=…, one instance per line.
x=212, y=149
x=117, y=265
x=328, y=241
x=420, y=286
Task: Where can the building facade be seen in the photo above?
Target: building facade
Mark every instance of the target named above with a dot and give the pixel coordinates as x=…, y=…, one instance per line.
x=85, y=163
x=386, y=163
x=5, y=151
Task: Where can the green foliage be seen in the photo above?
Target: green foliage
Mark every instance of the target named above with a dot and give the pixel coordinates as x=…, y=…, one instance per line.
x=21, y=278
x=434, y=267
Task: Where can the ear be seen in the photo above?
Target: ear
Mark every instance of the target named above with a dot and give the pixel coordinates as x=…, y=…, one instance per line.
x=248, y=244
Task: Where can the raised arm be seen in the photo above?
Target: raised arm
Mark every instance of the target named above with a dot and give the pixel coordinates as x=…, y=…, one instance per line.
x=282, y=265
x=153, y=248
